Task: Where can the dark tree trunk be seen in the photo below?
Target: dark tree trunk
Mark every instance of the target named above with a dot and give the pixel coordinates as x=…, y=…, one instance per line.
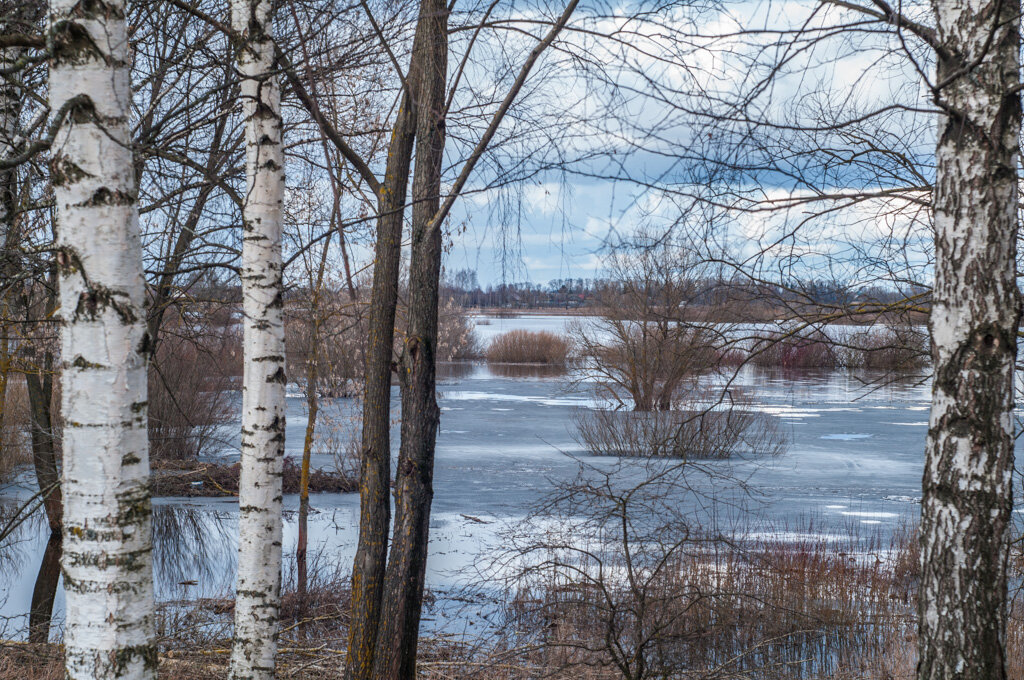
x=44, y=592
x=403, y=589
x=967, y=497
x=375, y=472
x=44, y=454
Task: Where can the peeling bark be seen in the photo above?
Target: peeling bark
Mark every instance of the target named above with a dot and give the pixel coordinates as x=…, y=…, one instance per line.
x=967, y=497
x=258, y=594
x=107, y=561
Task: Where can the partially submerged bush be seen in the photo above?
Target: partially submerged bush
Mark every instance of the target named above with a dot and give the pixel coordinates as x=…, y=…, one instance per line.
x=688, y=435
x=456, y=339
x=529, y=347
x=892, y=348
x=644, y=364
x=896, y=348
x=790, y=351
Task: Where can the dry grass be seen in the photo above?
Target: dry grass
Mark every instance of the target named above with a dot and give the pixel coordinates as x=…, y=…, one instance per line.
x=764, y=608
x=529, y=347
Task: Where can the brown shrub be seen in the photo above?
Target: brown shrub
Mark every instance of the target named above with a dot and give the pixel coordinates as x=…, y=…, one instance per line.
x=15, y=446
x=190, y=379
x=529, y=347
x=891, y=348
x=813, y=350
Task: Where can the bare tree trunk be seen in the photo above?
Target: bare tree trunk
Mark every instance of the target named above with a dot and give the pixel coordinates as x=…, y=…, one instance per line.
x=375, y=470
x=258, y=595
x=975, y=316
x=39, y=382
x=312, y=409
x=107, y=562
x=395, y=657
x=44, y=592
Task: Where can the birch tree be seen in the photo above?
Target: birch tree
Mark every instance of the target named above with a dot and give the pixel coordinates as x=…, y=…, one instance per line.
x=108, y=577
x=967, y=501
x=258, y=594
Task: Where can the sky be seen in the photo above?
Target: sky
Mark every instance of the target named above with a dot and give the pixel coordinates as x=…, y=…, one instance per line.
x=631, y=131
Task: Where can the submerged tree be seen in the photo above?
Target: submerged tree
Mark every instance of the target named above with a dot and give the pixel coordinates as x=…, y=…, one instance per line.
x=107, y=562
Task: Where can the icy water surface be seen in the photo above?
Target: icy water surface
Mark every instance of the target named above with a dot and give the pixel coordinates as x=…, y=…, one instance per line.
x=853, y=463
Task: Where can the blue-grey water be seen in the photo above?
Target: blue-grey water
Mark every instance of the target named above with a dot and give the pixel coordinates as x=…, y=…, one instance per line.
x=853, y=463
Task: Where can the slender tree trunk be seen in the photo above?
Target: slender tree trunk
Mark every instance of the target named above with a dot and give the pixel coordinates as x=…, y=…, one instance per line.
x=107, y=562
x=258, y=595
x=39, y=382
x=44, y=592
x=395, y=657
x=375, y=471
x=967, y=499
x=312, y=408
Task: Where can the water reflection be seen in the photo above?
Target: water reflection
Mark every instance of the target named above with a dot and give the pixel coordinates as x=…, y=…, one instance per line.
x=454, y=370
x=194, y=550
x=526, y=370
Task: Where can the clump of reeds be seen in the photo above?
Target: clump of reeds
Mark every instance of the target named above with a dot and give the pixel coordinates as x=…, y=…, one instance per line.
x=529, y=347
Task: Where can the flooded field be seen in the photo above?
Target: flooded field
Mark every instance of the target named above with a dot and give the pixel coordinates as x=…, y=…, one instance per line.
x=852, y=465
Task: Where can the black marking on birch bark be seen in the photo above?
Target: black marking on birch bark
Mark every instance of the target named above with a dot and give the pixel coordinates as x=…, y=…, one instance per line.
x=93, y=302
x=64, y=171
x=106, y=196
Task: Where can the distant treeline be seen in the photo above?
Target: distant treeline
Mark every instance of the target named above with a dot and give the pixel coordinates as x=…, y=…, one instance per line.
x=724, y=299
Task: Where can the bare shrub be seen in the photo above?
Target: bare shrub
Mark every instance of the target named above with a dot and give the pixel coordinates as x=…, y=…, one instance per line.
x=15, y=450
x=793, y=351
x=614, y=578
x=190, y=400
x=690, y=435
x=456, y=339
x=334, y=336
x=529, y=347
x=891, y=348
x=320, y=612
x=338, y=341
x=652, y=336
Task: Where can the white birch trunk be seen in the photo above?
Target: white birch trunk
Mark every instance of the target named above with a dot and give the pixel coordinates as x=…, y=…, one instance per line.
x=258, y=597
x=108, y=576
x=967, y=497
